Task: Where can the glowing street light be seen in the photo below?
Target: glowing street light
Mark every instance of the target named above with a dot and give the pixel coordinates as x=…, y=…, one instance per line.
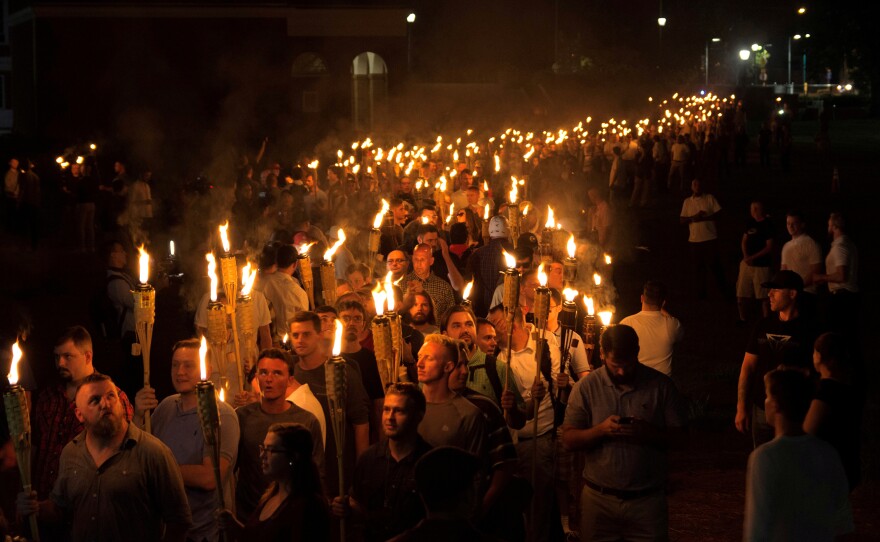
x=802, y=10
x=661, y=21
x=744, y=54
x=756, y=47
x=411, y=18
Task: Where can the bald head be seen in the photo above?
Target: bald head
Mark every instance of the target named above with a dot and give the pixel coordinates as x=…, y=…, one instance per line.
x=422, y=260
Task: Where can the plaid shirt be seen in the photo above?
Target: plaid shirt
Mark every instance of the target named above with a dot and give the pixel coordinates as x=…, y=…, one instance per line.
x=440, y=291
x=54, y=425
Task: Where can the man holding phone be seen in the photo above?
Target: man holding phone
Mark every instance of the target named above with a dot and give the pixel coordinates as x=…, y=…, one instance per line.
x=624, y=416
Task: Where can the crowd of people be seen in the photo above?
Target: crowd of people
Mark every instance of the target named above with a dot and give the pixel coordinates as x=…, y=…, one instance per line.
x=502, y=424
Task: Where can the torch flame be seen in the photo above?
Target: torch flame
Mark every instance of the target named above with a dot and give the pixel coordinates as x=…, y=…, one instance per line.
x=551, y=222
x=313, y=165
x=212, y=274
x=222, y=395
x=451, y=213
x=203, y=352
x=379, y=296
x=485, y=187
x=467, y=289
x=13, y=369
x=171, y=247
x=514, y=191
x=525, y=210
x=285, y=339
x=305, y=247
x=570, y=246
x=597, y=279
x=224, y=237
x=509, y=260
x=381, y=214
x=486, y=212
x=605, y=317
x=497, y=163
x=337, y=340
x=425, y=220
x=144, y=261
x=607, y=259
x=542, y=276
x=588, y=303
x=340, y=236
x=569, y=294
x=389, y=291
x=249, y=277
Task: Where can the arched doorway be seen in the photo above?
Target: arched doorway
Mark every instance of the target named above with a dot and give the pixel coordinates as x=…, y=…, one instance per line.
x=369, y=87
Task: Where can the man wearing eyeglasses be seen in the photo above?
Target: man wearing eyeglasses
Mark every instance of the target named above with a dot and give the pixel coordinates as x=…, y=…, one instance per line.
x=397, y=264
x=274, y=373
x=445, y=264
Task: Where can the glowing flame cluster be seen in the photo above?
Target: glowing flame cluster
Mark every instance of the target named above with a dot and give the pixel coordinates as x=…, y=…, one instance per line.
x=248, y=277
x=389, y=292
x=509, y=260
x=203, y=353
x=379, y=297
x=569, y=294
x=467, y=290
x=337, y=339
x=551, y=222
x=514, y=190
x=542, y=276
x=13, y=368
x=224, y=237
x=588, y=303
x=571, y=247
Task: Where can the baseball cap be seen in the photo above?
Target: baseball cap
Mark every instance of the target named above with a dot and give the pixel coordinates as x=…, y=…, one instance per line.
x=528, y=239
x=498, y=227
x=785, y=280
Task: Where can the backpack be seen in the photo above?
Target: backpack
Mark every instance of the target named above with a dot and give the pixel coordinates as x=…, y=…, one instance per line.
x=103, y=313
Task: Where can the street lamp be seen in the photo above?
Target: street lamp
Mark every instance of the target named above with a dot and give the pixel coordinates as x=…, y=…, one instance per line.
x=801, y=11
x=714, y=40
x=661, y=21
x=744, y=54
x=790, y=83
x=410, y=19
x=756, y=47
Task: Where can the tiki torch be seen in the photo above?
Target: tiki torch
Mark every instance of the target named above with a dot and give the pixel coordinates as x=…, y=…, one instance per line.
x=229, y=269
x=590, y=336
x=513, y=215
x=510, y=300
x=570, y=264
x=382, y=338
x=328, y=270
x=542, y=313
x=305, y=271
x=19, y=421
x=396, y=328
x=209, y=416
x=334, y=373
x=560, y=237
x=216, y=314
x=376, y=235
x=485, y=229
x=567, y=323
x=246, y=318
x=144, y=317
x=547, y=237
x=465, y=296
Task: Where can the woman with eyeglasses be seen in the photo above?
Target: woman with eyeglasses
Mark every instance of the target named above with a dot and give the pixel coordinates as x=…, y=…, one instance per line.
x=293, y=508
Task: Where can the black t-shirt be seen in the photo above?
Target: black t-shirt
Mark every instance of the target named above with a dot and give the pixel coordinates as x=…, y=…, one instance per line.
x=776, y=343
x=366, y=362
x=842, y=428
x=757, y=235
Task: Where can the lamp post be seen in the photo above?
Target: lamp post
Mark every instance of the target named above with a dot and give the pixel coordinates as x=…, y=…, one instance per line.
x=744, y=55
x=410, y=19
x=713, y=40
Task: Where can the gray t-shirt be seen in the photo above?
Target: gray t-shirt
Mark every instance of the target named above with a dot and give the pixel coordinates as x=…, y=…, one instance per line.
x=254, y=424
x=456, y=422
x=181, y=431
x=620, y=463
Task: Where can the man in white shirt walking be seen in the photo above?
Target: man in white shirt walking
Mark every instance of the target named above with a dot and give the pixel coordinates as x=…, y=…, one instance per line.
x=658, y=330
x=699, y=212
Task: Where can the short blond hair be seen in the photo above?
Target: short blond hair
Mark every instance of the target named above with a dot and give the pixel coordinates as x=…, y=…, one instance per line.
x=449, y=344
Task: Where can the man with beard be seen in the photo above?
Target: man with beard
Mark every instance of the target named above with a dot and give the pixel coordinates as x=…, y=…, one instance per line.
x=117, y=482
x=422, y=280
x=55, y=422
x=421, y=314
x=354, y=318
x=624, y=416
x=383, y=494
x=485, y=375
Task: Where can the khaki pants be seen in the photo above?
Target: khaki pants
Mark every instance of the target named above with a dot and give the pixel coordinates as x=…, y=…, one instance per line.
x=606, y=518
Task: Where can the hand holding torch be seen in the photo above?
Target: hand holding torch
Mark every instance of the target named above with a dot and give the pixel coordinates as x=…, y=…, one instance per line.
x=209, y=418
x=19, y=421
x=337, y=387
x=144, y=318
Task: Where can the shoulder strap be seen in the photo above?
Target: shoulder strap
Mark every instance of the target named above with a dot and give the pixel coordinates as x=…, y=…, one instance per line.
x=491, y=369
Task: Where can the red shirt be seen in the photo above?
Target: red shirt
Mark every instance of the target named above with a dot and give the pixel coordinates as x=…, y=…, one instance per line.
x=54, y=425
